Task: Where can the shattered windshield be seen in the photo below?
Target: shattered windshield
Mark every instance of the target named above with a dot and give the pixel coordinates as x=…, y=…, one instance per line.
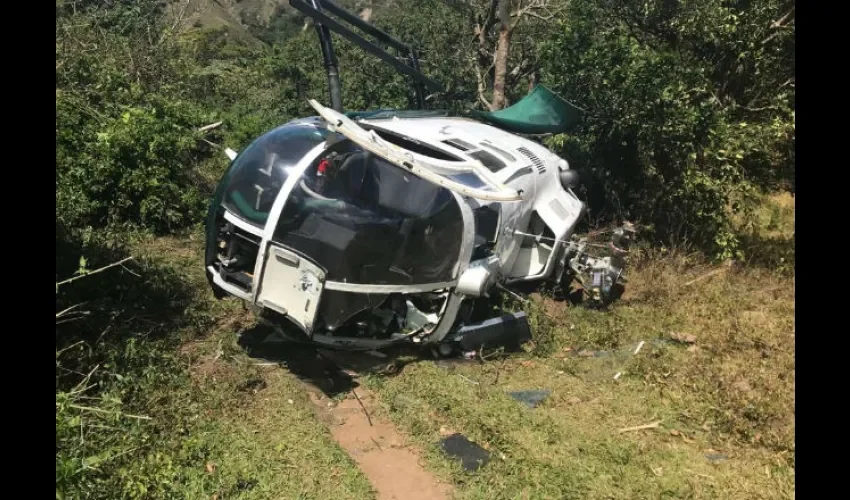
x=258, y=173
x=367, y=221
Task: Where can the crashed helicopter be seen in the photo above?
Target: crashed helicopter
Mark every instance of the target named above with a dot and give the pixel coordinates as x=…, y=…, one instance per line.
x=365, y=230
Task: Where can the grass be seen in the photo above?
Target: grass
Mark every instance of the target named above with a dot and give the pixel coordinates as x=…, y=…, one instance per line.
x=725, y=403
x=221, y=427
x=768, y=234
x=732, y=395
x=213, y=426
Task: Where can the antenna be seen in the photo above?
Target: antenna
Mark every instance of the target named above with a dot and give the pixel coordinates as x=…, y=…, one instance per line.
x=409, y=65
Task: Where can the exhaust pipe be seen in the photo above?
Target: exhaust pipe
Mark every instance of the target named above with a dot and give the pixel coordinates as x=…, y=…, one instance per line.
x=569, y=178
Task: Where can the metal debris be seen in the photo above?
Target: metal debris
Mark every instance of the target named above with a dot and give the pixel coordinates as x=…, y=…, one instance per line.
x=472, y=456
x=530, y=398
x=716, y=457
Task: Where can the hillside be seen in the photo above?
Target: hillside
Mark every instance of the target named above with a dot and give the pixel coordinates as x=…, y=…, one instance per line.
x=253, y=21
x=683, y=389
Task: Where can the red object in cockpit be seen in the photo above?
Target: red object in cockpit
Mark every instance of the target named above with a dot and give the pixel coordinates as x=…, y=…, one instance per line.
x=320, y=175
x=323, y=167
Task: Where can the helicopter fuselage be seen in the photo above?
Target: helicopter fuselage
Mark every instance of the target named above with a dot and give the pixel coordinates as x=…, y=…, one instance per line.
x=355, y=250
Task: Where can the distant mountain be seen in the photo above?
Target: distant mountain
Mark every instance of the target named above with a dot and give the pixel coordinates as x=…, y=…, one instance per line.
x=257, y=21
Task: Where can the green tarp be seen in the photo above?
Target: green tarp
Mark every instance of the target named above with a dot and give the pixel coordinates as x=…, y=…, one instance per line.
x=539, y=112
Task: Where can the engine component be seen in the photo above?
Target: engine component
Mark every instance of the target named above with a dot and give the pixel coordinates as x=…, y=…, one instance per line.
x=569, y=178
x=508, y=330
x=479, y=277
x=601, y=277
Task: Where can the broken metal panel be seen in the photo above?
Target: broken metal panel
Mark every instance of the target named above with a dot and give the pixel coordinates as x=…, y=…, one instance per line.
x=472, y=456
x=510, y=330
x=291, y=286
x=431, y=169
x=530, y=398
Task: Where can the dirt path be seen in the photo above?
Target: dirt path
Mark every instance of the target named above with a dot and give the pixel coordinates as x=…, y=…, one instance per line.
x=393, y=468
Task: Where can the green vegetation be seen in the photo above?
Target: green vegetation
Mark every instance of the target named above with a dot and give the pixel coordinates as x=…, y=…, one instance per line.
x=690, y=128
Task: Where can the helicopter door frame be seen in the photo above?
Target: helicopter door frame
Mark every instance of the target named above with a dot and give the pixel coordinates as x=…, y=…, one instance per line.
x=427, y=168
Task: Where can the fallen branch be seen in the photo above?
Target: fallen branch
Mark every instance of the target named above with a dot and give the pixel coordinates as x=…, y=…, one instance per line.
x=75, y=344
x=652, y=425
x=68, y=310
x=209, y=127
x=104, y=268
x=211, y=143
x=107, y=412
x=705, y=276
x=368, y=417
x=78, y=315
x=499, y=370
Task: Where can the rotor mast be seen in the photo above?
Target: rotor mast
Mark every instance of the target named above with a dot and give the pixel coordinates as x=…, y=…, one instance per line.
x=407, y=64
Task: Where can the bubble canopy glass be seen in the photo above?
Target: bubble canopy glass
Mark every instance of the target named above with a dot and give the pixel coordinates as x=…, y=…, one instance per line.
x=258, y=173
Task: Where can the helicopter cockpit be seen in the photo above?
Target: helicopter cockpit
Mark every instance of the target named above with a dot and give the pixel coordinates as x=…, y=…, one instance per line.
x=368, y=222
x=370, y=230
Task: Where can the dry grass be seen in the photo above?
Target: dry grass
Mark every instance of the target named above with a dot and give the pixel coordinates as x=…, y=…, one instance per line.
x=725, y=401
x=250, y=432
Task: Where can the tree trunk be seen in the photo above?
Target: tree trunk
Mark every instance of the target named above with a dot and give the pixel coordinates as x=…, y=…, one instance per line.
x=501, y=66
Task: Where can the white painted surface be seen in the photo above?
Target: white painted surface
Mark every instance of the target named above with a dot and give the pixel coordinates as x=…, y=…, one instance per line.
x=291, y=285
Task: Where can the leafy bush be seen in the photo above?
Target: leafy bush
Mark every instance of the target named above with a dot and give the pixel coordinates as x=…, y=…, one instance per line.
x=136, y=167
x=677, y=127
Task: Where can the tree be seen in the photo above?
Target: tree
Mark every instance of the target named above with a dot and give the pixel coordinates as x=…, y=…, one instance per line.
x=690, y=105
x=495, y=23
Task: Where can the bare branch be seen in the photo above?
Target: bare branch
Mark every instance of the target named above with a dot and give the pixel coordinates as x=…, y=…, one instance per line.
x=209, y=127
x=547, y=17
x=75, y=344
x=781, y=21
x=368, y=417
x=211, y=143
x=68, y=310
x=536, y=8
x=652, y=425
x=107, y=412
x=482, y=88
x=104, y=268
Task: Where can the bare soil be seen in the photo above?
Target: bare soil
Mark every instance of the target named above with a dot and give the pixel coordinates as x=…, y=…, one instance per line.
x=392, y=466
